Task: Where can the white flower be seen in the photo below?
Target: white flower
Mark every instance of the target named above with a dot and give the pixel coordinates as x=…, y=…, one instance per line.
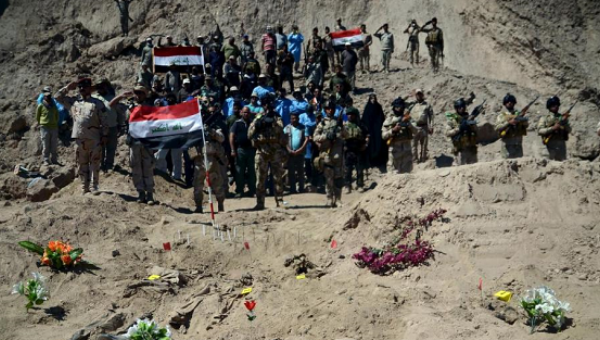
x=564, y=306
x=529, y=296
x=19, y=288
x=38, y=277
x=544, y=308
x=168, y=332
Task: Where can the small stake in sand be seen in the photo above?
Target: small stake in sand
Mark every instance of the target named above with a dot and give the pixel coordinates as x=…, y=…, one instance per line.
x=480, y=287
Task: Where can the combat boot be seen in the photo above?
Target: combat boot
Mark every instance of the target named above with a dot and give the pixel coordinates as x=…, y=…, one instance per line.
x=199, y=210
x=141, y=196
x=221, y=206
x=150, y=198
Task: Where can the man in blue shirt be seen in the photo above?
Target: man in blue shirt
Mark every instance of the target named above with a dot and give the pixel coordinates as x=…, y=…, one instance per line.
x=234, y=96
x=254, y=106
x=296, y=147
x=283, y=107
x=295, y=40
x=262, y=90
x=299, y=103
x=309, y=121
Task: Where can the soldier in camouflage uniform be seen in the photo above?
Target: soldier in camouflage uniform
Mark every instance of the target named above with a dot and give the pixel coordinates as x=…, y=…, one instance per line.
x=463, y=133
x=267, y=136
x=435, y=43
x=109, y=149
x=141, y=159
x=511, y=129
x=215, y=154
x=330, y=135
x=123, y=6
x=355, y=145
x=398, y=131
x=554, y=130
x=422, y=113
x=89, y=130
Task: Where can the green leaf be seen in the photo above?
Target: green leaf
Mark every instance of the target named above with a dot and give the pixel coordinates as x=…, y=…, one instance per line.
x=32, y=247
x=75, y=253
x=29, y=305
x=39, y=301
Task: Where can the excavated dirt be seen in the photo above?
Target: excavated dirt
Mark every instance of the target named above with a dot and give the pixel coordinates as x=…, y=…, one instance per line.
x=516, y=224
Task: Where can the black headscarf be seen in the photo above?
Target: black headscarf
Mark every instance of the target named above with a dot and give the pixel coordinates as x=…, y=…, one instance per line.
x=373, y=118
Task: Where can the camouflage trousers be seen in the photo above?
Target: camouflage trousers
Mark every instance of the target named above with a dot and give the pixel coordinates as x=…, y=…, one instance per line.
x=512, y=147
x=262, y=161
x=333, y=170
x=420, y=143
x=401, y=157
x=88, y=153
x=435, y=52
x=467, y=155
x=386, y=56
x=557, y=150
x=414, y=51
x=215, y=178
x=141, y=161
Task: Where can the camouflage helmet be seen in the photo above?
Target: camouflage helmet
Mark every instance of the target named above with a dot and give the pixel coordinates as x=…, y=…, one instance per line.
x=352, y=111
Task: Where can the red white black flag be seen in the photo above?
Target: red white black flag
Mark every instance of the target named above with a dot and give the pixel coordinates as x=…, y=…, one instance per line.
x=340, y=38
x=183, y=57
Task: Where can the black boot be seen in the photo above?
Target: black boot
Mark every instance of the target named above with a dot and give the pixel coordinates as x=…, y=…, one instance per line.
x=141, y=196
x=199, y=210
x=221, y=206
x=150, y=198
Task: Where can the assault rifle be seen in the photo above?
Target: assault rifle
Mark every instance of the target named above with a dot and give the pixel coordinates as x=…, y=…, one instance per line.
x=520, y=118
x=564, y=120
x=470, y=121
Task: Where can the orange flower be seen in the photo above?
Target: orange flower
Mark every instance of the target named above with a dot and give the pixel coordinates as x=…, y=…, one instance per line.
x=52, y=245
x=59, y=246
x=66, y=259
x=46, y=261
x=67, y=248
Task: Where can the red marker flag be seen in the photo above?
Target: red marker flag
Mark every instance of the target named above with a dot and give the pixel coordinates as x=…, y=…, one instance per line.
x=480, y=287
x=333, y=244
x=247, y=245
x=250, y=305
x=167, y=246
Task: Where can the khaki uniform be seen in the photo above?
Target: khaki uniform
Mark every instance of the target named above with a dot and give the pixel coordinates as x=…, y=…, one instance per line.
x=465, y=147
x=331, y=158
x=511, y=135
x=141, y=161
x=387, y=48
x=110, y=148
x=422, y=113
x=555, y=141
x=215, y=155
x=413, y=42
x=270, y=142
x=401, y=156
x=364, y=53
x=89, y=127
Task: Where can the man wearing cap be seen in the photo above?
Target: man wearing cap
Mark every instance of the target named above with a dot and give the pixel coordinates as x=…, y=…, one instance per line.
x=329, y=135
x=112, y=121
x=413, y=40
x=147, y=52
x=246, y=48
x=364, y=52
x=295, y=40
x=339, y=78
x=263, y=90
x=296, y=147
x=173, y=79
x=185, y=92
x=123, y=6
x=46, y=117
x=435, y=43
x=398, y=132
x=422, y=113
x=254, y=106
x=387, y=46
x=355, y=145
x=244, y=154
x=141, y=158
x=269, y=44
x=209, y=88
x=314, y=40
x=234, y=97
x=90, y=130
x=266, y=134
x=349, y=61
x=170, y=42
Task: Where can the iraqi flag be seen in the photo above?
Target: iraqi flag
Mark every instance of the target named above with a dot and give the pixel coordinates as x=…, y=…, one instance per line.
x=184, y=57
x=340, y=38
x=167, y=127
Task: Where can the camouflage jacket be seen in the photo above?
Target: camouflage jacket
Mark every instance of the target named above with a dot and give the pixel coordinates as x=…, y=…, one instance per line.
x=111, y=115
x=326, y=145
x=89, y=116
x=546, y=123
x=422, y=113
x=505, y=130
x=268, y=139
x=405, y=134
x=469, y=139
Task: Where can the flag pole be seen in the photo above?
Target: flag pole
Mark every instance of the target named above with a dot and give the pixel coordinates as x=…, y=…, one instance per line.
x=210, y=200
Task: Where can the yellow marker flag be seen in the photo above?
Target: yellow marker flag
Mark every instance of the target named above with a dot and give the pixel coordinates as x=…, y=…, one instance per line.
x=503, y=295
x=153, y=277
x=301, y=277
x=246, y=290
